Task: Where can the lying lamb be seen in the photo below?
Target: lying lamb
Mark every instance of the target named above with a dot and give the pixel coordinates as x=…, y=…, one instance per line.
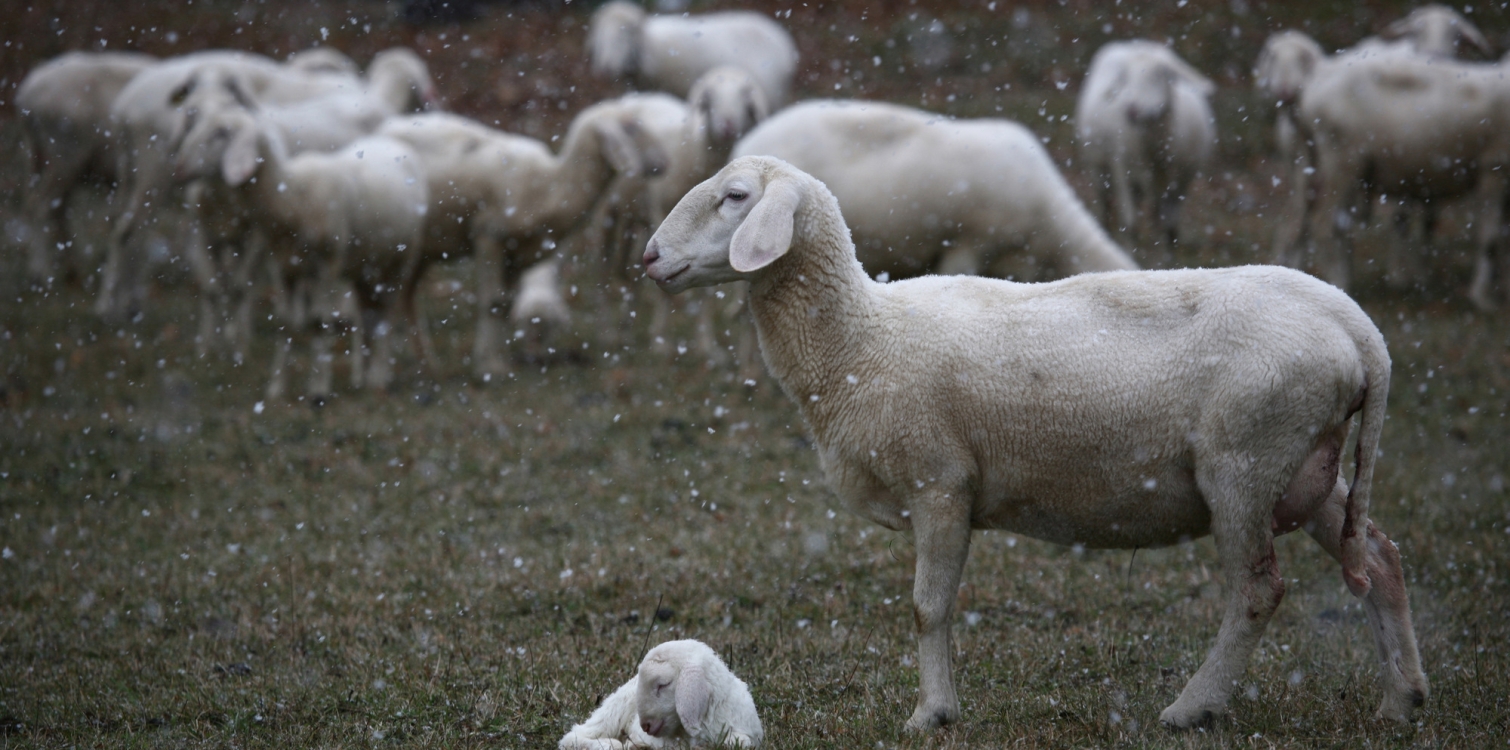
x=1115, y=410
x=683, y=690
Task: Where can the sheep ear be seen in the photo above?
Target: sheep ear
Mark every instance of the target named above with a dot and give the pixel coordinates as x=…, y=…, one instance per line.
x=766, y=233
x=759, y=107
x=1473, y=36
x=618, y=146
x=239, y=162
x=693, y=693
x=1183, y=71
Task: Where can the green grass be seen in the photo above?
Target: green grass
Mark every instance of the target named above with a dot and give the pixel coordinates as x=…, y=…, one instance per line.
x=462, y=564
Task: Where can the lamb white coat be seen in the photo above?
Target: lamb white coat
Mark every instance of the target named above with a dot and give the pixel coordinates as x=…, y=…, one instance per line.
x=682, y=691
x=1122, y=409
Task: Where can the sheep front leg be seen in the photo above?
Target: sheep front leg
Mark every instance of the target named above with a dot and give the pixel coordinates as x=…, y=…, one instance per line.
x=487, y=360
x=1491, y=192
x=1387, y=605
x=1254, y=589
x=941, y=531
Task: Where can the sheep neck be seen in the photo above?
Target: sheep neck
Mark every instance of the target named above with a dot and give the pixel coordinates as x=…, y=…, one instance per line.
x=814, y=310
x=582, y=174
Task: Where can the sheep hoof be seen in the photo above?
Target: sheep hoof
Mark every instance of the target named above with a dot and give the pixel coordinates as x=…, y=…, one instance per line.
x=1400, y=706
x=925, y=720
x=1177, y=717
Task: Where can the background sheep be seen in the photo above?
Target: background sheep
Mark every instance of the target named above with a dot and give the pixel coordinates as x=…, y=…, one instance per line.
x=669, y=53
x=683, y=690
x=322, y=60
x=1145, y=129
x=356, y=215
x=1129, y=409
x=158, y=108
x=697, y=136
x=65, y=112
x=1284, y=66
x=924, y=192
x=539, y=310
x=508, y=200
x=1413, y=127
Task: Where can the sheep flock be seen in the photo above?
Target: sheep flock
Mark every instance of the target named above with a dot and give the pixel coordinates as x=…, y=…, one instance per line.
x=977, y=333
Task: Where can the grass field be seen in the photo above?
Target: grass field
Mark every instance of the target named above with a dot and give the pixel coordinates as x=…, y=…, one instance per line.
x=458, y=564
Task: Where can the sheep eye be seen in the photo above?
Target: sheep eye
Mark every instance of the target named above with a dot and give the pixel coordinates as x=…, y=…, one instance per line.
x=735, y=196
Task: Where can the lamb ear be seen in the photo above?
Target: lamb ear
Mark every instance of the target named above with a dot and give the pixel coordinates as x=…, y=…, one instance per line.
x=693, y=693
x=766, y=233
x=239, y=162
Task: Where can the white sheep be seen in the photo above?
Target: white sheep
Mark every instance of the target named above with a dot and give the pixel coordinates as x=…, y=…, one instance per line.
x=682, y=691
x=156, y=110
x=697, y=135
x=1145, y=130
x=669, y=53
x=1393, y=122
x=539, y=311
x=1438, y=30
x=1114, y=410
x=508, y=200
x=65, y=117
x=925, y=192
x=356, y=215
x=1284, y=66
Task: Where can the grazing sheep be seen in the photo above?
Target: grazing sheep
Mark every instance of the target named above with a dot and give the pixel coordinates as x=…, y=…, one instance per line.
x=539, y=310
x=1113, y=410
x=924, y=192
x=355, y=215
x=65, y=117
x=669, y=53
x=1145, y=130
x=509, y=200
x=1409, y=126
x=683, y=691
x=1438, y=30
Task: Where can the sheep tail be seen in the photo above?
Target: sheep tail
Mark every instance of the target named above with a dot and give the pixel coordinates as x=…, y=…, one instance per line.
x=1355, y=524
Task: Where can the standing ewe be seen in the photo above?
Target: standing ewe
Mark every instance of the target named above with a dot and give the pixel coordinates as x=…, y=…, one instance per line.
x=1283, y=68
x=669, y=53
x=65, y=116
x=683, y=691
x=1145, y=129
x=925, y=192
x=355, y=215
x=1124, y=409
x=507, y=199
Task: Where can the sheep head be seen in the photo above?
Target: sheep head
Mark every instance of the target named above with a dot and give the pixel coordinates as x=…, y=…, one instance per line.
x=1285, y=65
x=729, y=227
x=674, y=690
x=613, y=37
x=728, y=102
x=403, y=80
x=1144, y=89
x=1436, y=30
x=224, y=143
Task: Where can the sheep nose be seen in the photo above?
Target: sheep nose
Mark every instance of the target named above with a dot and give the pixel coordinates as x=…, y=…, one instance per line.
x=652, y=252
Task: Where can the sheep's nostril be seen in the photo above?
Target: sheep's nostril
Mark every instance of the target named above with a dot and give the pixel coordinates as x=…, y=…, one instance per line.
x=652, y=253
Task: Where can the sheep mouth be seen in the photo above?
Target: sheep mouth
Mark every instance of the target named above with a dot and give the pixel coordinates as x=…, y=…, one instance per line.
x=668, y=277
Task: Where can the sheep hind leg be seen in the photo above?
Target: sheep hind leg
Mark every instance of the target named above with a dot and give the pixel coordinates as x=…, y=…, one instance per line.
x=1254, y=590
x=1387, y=605
x=941, y=530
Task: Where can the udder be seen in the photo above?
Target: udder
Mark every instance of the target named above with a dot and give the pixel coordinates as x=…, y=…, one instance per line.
x=1312, y=484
